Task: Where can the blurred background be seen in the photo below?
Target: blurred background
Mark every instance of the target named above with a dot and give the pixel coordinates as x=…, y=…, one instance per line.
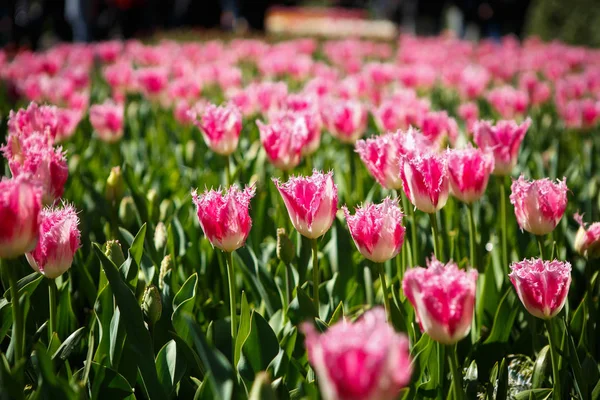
x=40, y=23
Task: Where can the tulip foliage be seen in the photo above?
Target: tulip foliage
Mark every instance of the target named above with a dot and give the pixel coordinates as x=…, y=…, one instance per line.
x=300, y=219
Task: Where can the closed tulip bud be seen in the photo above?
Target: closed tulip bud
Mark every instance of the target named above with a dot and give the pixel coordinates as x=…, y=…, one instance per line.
x=115, y=187
x=311, y=202
x=469, y=171
x=160, y=236
x=285, y=248
x=377, y=230
x=153, y=198
x=425, y=180
x=152, y=304
x=541, y=285
x=59, y=240
x=20, y=206
x=539, y=205
x=221, y=128
x=190, y=151
x=366, y=359
x=166, y=265
x=114, y=252
x=166, y=208
x=443, y=297
x=587, y=240
x=127, y=211
x=225, y=218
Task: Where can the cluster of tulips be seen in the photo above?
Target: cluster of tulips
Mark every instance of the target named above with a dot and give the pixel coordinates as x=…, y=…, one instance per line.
x=420, y=157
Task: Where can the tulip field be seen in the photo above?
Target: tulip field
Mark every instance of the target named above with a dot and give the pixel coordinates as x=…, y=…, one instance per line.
x=300, y=219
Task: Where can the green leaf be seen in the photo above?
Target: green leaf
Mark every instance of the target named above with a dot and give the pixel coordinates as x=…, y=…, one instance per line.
x=108, y=383
x=134, y=325
x=502, y=390
x=244, y=329
x=170, y=366
x=301, y=308
x=542, y=368
x=69, y=345
x=504, y=319
x=337, y=315
x=261, y=346
x=536, y=394
x=261, y=389
x=5, y=317
x=184, y=302
x=52, y=386
x=136, y=250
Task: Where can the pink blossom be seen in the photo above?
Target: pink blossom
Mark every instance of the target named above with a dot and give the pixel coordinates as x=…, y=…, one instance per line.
x=469, y=112
x=539, y=204
x=345, y=119
x=107, y=120
x=541, y=285
x=503, y=139
x=68, y=119
x=473, y=81
x=108, y=52
x=366, y=359
x=221, y=127
x=152, y=81
x=120, y=77
x=508, y=101
x=443, y=297
x=269, y=96
x=284, y=138
x=469, y=170
x=400, y=111
x=587, y=240
x=425, y=180
x=437, y=127
x=20, y=205
x=225, y=217
x=377, y=230
x=33, y=119
x=59, y=240
x=311, y=202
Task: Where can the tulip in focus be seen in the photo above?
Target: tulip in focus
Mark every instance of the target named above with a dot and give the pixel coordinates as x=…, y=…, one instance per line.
x=59, y=240
x=20, y=205
x=107, y=121
x=443, y=297
x=311, y=202
x=425, y=180
x=541, y=285
x=539, y=204
x=503, y=139
x=469, y=170
x=284, y=138
x=221, y=127
x=587, y=240
x=366, y=359
x=377, y=230
x=225, y=218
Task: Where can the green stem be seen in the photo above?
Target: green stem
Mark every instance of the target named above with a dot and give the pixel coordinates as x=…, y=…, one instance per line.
x=232, y=292
x=413, y=229
x=472, y=238
x=228, y=177
x=289, y=284
x=457, y=378
x=53, y=306
x=17, y=328
x=540, y=240
x=503, y=222
x=315, y=272
x=386, y=298
x=555, y=359
x=435, y=238
x=368, y=285
x=441, y=363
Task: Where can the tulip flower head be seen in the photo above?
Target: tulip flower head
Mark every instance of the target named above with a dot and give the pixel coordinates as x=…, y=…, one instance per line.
x=20, y=205
x=539, y=204
x=587, y=240
x=311, y=202
x=346, y=120
x=469, y=170
x=377, y=230
x=59, y=240
x=366, y=359
x=504, y=140
x=225, y=218
x=284, y=138
x=221, y=127
x=443, y=297
x=541, y=285
x=425, y=180
x=107, y=120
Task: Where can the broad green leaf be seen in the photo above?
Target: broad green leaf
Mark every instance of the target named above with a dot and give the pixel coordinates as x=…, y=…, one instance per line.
x=52, y=386
x=261, y=389
x=108, y=383
x=244, y=328
x=261, y=346
x=504, y=319
x=183, y=302
x=301, y=308
x=542, y=368
x=70, y=345
x=535, y=394
x=170, y=366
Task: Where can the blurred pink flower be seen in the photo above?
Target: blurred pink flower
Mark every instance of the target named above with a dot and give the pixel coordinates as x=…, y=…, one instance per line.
x=345, y=119
x=508, y=101
x=587, y=240
x=283, y=138
x=221, y=127
x=107, y=120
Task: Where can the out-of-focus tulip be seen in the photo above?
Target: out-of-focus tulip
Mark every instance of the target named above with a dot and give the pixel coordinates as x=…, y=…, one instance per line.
x=539, y=204
x=311, y=202
x=345, y=119
x=225, y=217
x=59, y=240
x=508, y=101
x=437, y=128
x=366, y=359
x=221, y=127
x=503, y=139
x=107, y=121
x=20, y=205
x=443, y=297
x=425, y=180
x=587, y=240
x=377, y=230
x=469, y=170
x=469, y=112
x=283, y=138
x=541, y=285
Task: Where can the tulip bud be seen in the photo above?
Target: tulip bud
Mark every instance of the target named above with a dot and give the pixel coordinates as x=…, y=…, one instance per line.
x=166, y=208
x=190, y=151
x=160, y=236
x=115, y=187
x=261, y=388
x=285, y=248
x=152, y=304
x=127, y=211
x=152, y=197
x=166, y=265
x=114, y=252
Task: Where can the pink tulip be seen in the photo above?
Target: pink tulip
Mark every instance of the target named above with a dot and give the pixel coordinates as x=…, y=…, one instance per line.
x=469, y=170
x=107, y=120
x=345, y=119
x=443, y=297
x=68, y=119
x=20, y=205
x=221, y=127
x=225, y=218
x=59, y=240
x=366, y=359
x=108, y=52
x=152, y=81
x=311, y=202
x=270, y=96
x=504, y=140
x=508, y=101
x=377, y=230
x=284, y=138
x=541, y=285
x=35, y=118
x=587, y=240
x=425, y=180
x=437, y=127
x=539, y=204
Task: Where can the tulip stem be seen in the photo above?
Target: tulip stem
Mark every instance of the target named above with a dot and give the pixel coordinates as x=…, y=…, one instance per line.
x=232, y=291
x=435, y=233
x=472, y=237
x=457, y=378
x=555, y=359
x=368, y=285
x=289, y=285
x=413, y=230
x=386, y=299
x=52, y=304
x=17, y=328
x=540, y=240
x=503, y=222
x=315, y=273
x=228, y=177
